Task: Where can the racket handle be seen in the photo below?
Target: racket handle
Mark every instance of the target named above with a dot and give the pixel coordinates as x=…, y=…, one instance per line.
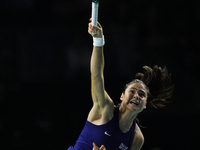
x=95, y=6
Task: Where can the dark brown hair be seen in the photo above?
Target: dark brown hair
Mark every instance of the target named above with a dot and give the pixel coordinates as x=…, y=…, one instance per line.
x=158, y=84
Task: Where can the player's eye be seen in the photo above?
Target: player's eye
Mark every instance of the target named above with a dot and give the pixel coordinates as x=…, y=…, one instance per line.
x=142, y=94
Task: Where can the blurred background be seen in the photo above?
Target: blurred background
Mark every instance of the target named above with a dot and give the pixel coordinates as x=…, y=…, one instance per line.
x=45, y=59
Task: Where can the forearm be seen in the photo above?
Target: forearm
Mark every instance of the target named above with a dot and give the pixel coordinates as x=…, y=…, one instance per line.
x=97, y=61
x=97, y=58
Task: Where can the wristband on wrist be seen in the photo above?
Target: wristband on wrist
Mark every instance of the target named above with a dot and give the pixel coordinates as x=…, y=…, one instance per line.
x=98, y=42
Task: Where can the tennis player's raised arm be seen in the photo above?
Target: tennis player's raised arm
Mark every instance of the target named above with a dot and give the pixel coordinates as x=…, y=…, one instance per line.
x=97, y=68
x=99, y=96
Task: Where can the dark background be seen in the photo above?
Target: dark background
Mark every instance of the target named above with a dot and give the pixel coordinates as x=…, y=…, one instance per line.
x=45, y=78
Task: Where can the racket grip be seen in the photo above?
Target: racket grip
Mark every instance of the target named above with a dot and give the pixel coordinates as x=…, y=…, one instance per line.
x=94, y=14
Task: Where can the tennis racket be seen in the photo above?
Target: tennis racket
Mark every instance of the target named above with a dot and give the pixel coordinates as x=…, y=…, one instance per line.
x=95, y=6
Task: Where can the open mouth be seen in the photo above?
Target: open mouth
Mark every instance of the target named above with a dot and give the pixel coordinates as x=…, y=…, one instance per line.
x=133, y=102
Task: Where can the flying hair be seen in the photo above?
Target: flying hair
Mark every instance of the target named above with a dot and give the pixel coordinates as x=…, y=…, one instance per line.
x=158, y=81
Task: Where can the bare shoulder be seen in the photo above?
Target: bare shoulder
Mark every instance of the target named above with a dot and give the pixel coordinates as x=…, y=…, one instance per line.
x=138, y=140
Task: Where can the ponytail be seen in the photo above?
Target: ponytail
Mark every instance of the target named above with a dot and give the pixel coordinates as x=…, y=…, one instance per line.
x=158, y=81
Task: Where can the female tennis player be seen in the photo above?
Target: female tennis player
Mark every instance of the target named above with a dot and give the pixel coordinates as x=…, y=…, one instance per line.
x=114, y=127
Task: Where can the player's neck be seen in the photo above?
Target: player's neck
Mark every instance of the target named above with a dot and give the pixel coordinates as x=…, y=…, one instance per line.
x=126, y=120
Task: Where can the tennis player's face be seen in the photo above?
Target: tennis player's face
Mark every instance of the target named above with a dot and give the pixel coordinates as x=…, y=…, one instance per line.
x=135, y=97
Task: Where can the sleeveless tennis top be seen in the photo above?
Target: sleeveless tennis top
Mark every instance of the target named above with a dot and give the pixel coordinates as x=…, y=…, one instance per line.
x=109, y=135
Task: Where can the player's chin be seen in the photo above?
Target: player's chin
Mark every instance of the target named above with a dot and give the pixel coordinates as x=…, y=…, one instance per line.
x=136, y=109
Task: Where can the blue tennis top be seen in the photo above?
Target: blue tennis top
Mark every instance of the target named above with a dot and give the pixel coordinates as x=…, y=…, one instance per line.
x=109, y=135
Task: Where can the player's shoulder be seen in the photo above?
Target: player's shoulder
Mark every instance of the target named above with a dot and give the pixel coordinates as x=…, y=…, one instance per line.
x=138, y=140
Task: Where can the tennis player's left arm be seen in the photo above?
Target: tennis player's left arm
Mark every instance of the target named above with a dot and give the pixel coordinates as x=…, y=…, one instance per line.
x=95, y=147
x=138, y=140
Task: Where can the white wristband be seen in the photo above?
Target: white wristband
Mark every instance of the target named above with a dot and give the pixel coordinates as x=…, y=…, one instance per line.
x=98, y=42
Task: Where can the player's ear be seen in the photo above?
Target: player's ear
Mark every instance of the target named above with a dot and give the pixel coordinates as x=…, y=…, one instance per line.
x=121, y=97
x=145, y=106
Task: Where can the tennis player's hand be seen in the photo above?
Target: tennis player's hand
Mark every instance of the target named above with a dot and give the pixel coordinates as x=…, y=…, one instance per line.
x=95, y=147
x=98, y=28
